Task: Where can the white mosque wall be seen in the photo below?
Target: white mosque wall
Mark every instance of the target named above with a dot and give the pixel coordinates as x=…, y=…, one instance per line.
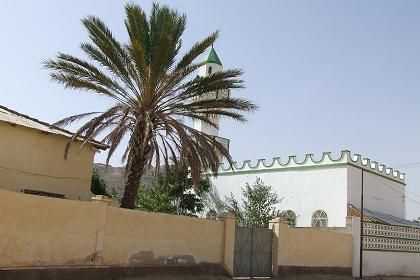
x=326, y=184
x=302, y=191
x=380, y=194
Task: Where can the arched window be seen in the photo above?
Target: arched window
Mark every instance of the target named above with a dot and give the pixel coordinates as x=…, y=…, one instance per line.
x=319, y=219
x=210, y=69
x=289, y=216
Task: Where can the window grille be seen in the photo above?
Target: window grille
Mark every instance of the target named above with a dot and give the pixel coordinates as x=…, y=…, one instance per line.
x=290, y=216
x=319, y=219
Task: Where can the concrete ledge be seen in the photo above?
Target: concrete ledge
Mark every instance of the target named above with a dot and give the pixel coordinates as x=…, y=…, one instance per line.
x=286, y=271
x=109, y=272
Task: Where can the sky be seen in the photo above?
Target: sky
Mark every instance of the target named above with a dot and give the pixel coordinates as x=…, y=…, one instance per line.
x=327, y=75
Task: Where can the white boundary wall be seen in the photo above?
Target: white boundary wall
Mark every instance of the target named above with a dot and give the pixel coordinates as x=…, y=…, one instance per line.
x=391, y=264
x=387, y=256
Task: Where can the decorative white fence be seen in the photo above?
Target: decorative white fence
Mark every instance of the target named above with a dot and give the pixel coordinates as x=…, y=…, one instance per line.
x=387, y=250
x=387, y=238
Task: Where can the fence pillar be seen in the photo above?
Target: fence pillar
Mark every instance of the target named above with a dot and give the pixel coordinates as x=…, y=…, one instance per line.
x=229, y=242
x=278, y=225
x=356, y=246
x=103, y=203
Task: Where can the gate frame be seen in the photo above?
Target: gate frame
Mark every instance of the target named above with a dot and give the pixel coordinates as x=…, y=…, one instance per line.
x=273, y=252
x=274, y=225
x=229, y=241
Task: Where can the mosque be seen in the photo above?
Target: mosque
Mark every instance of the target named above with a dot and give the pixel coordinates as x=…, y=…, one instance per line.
x=319, y=191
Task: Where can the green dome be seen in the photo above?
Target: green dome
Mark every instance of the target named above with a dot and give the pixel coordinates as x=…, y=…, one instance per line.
x=212, y=57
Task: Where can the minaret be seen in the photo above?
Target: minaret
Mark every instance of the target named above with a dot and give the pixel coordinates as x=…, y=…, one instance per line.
x=212, y=65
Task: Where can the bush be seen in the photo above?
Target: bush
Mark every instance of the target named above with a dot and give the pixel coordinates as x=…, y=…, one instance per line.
x=98, y=184
x=174, y=193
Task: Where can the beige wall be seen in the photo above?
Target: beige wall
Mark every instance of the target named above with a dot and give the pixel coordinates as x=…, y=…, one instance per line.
x=133, y=237
x=41, y=231
x=311, y=247
x=35, y=160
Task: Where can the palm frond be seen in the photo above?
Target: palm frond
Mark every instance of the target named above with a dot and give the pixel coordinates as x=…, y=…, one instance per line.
x=197, y=50
x=155, y=89
x=70, y=120
x=102, y=37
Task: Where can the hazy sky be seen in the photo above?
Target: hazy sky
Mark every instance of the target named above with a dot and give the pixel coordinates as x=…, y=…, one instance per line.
x=327, y=75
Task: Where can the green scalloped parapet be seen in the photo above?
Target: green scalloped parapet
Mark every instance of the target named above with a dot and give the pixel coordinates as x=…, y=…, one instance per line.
x=326, y=161
x=212, y=57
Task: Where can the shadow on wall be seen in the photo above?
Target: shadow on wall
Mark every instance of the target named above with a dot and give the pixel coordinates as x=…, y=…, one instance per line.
x=148, y=257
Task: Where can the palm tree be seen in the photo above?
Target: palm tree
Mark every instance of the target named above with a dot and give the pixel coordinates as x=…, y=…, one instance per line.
x=154, y=92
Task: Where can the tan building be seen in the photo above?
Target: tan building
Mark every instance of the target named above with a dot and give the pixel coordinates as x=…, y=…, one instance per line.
x=32, y=158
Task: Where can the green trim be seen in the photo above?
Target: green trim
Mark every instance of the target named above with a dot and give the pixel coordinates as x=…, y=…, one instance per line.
x=394, y=251
x=389, y=237
x=281, y=169
x=326, y=161
x=212, y=57
x=308, y=167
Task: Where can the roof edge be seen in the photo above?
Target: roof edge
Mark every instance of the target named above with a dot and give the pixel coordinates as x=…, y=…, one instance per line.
x=345, y=158
x=94, y=143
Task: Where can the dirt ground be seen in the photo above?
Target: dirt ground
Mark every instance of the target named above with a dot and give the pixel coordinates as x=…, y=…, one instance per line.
x=185, y=277
x=301, y=277
x=337, y=277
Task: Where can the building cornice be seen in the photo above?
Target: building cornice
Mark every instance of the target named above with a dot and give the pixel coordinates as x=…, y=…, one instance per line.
x=327, y=161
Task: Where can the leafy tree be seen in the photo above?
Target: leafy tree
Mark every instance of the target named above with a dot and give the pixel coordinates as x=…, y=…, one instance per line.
x=173, y=193
x=258, y=205
x=154, y=90
x=156, y=199
x=98, y=184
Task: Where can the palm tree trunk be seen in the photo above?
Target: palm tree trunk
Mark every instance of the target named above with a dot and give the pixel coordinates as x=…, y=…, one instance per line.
x=140, y=158
x=132, y=185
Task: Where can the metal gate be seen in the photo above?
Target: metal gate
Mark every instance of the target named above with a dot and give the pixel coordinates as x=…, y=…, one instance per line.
x=253, y=252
